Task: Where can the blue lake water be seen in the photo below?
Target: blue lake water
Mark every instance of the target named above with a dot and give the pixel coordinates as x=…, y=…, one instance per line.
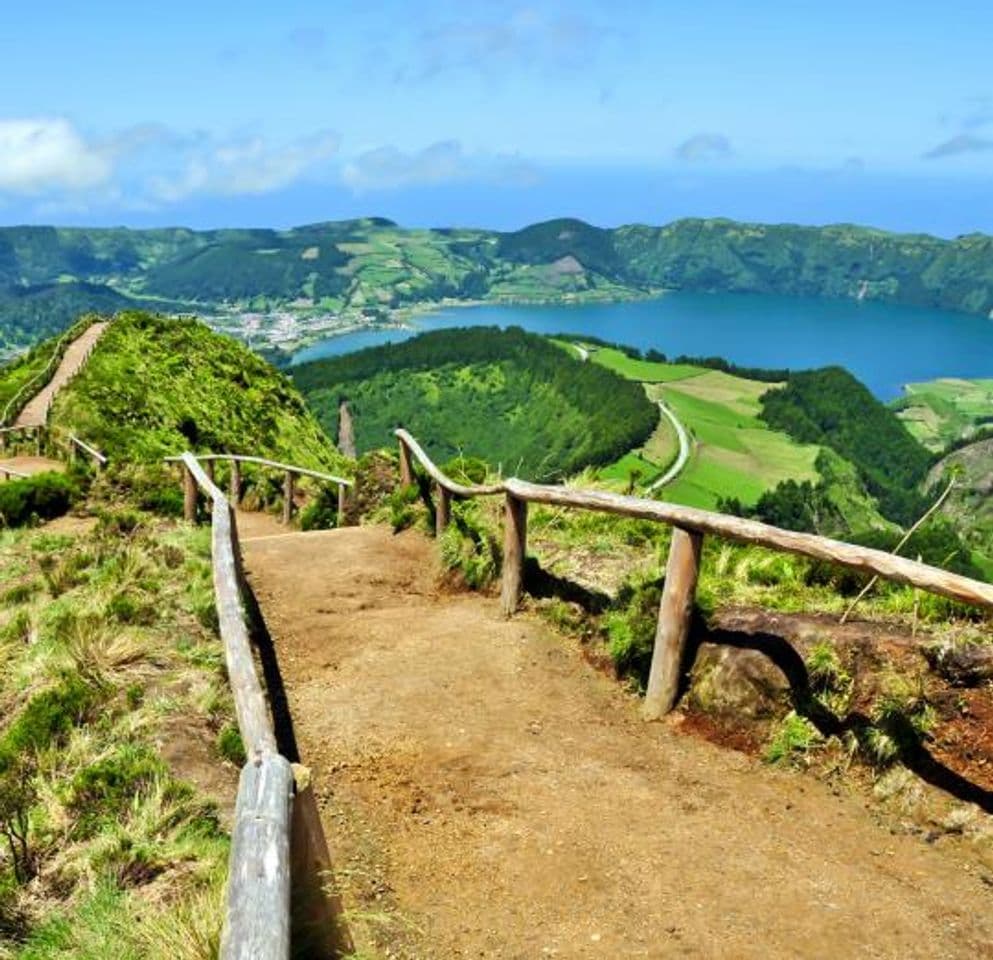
x=884, y=345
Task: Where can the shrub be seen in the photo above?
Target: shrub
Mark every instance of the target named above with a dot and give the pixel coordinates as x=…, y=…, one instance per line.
x=230, y=746
x=631, y=625
x=43, y=496
x=792, y=740
x=18, y=795
x=322, y=511
x=401, y=504
x=468, y=547
x=106, y=788
x=47, y=718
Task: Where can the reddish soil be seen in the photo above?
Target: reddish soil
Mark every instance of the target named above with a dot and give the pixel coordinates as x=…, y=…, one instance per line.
x=489, y=794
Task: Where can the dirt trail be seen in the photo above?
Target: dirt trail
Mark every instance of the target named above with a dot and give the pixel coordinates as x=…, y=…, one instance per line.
x=30, y=465
x=35, y=413
x=489, y=795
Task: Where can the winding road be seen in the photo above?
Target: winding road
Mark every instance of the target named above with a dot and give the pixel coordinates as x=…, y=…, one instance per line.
x=681, y=458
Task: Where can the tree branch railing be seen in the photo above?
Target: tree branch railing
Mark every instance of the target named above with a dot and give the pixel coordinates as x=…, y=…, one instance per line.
x=446, y=488
x=290, y=472
x=690, y=525
x=277, y=842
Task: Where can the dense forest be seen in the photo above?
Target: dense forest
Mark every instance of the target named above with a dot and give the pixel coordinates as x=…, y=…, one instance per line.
x=507, y=396
x=831, y=408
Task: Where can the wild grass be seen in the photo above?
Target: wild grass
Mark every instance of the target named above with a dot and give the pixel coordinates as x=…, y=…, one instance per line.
x=105, y=850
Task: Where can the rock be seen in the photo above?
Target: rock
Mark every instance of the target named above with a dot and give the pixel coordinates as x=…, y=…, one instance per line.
x=964, y=664
x=741, y=683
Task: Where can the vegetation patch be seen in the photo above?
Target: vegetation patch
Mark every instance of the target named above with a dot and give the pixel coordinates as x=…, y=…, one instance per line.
x=505, y=395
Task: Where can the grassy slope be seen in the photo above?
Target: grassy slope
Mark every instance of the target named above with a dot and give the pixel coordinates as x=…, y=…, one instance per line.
x=130, y=857
x=155, y=387
x=736, y=454
x=938, y=412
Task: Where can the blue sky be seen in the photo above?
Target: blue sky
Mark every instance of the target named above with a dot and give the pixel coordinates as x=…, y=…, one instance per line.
x=497, y=113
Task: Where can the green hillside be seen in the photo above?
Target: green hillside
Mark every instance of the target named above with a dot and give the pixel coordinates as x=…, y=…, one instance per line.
x=945, y=411
x=326, y=276
x=507, y=396
x=155, y=386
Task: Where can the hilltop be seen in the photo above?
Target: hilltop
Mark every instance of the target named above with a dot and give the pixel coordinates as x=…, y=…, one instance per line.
x=285, y=287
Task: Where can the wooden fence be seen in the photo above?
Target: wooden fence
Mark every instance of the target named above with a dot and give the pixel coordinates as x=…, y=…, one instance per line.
x=690, y=525
x=45, y=438
x=290, y=473
x=278, y=845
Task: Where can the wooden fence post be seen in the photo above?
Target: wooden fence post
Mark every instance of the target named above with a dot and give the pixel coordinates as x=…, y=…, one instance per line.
x=288, y=497
x=406, y=467
x=208, y=468
x=234, y=487
x=341, y=504
x=515, y=536
x=442, y=510
x=675, y=614
x=189, y=495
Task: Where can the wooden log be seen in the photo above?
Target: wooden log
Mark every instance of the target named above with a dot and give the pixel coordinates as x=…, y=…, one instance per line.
x=406, y=467
x=515, y=526
x=288, y=497
x=189, y=496
x=863, y=559
x=234, y=486
x=257, y=923
x=319, y=929
x=208, y=468
x=341, y=504
x=673, y=628
x=413, y=449
x=442, y=510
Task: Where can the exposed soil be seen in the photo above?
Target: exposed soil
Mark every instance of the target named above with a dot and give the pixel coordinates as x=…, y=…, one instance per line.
x=489, y=794
x=35, y=413
x=31, y=465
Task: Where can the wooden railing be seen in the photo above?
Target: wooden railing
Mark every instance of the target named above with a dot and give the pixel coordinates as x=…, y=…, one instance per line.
x=289, y=482
x=278, y=845
x=44, y=436
x=690, y=525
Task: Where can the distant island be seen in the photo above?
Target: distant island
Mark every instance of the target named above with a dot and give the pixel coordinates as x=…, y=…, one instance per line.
x=280, y=290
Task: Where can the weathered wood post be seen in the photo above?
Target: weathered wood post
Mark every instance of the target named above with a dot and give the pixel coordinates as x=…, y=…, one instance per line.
x=208, y=468
x=234, y=486
x=258, y=896
x=189, y=495
x=406, y=467
x=515, y=536
x=341, y=504
x=675, y=613
x=288, y=497
x=442, y=510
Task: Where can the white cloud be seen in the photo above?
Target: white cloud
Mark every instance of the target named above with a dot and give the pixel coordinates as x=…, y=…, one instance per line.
x=40, y=154
x=444, y=162
x=963, y=143
x=242, y=166
x=704, y=146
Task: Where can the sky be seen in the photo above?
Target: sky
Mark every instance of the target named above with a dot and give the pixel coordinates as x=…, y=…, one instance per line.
x=497, y=114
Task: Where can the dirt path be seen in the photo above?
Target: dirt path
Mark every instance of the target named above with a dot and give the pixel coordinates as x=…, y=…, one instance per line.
x=35, y=413
x=30, y=465
x=489, y=795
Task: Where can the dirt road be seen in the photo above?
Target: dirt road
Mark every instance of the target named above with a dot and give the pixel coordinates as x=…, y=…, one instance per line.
x=488, y=794
x=35, y=413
